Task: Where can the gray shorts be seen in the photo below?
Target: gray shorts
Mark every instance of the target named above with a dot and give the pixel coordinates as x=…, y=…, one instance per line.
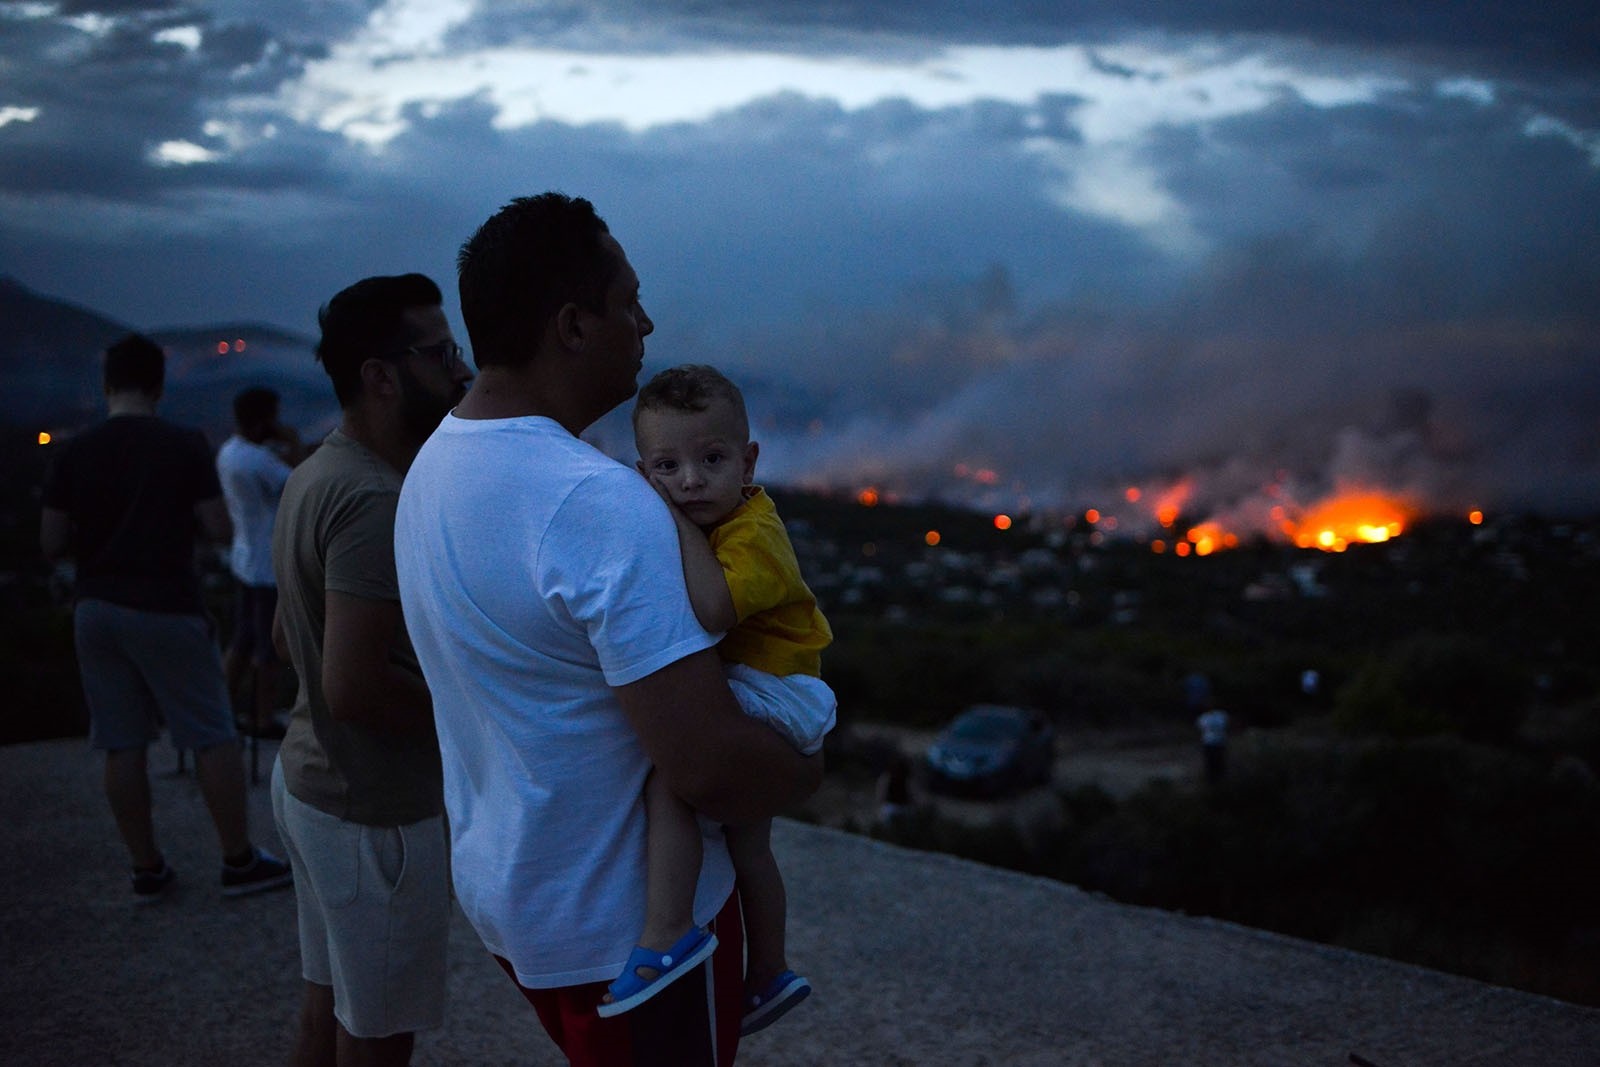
x=374, y=908
x=143, y=668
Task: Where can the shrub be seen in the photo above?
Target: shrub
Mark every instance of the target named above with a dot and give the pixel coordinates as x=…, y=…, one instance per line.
x=1432, y=684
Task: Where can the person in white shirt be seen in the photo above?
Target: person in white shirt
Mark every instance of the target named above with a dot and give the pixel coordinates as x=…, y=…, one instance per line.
x=1213, y=726
x=543, y=589
x=253, y=466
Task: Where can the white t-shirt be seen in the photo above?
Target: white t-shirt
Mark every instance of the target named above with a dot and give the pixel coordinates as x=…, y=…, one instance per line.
x=252, y=479
x=536, y=573
x=1213, y=727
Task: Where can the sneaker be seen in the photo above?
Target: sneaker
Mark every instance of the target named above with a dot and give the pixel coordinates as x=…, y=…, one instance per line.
x=149, y=885
x=264, y=871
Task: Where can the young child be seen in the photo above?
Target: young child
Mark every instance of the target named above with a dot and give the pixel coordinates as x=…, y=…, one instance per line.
x=694, y=445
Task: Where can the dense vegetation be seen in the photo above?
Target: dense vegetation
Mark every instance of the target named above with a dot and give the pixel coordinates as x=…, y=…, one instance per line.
x=1434, y=800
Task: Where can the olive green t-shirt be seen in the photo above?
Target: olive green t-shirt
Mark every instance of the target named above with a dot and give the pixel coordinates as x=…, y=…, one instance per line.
x=335, y=531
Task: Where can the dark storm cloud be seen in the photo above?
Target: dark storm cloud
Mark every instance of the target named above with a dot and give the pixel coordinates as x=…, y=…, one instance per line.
x=106, y=99
x=1398, y=290
x=1496, y=35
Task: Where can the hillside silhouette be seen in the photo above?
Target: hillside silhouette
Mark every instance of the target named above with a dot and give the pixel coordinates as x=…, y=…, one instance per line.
x=51, y=353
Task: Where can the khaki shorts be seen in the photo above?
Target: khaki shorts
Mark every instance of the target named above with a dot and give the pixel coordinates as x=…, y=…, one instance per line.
x=374, y=908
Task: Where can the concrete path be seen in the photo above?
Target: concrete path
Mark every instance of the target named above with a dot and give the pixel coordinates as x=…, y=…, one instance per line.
x=917, y=959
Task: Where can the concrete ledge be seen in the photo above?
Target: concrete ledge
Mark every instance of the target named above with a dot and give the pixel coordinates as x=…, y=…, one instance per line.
x=917, y=958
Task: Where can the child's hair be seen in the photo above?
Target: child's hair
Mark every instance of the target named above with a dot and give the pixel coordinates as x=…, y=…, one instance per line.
x=690, y=387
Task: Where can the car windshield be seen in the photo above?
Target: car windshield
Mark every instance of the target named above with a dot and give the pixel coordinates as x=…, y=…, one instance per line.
x=987, y=727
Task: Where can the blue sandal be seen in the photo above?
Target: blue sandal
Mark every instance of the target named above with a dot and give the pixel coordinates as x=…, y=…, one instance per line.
x=630, y=990
x=773, y=1002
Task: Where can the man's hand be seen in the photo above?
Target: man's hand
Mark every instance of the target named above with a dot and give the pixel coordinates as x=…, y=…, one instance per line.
x=212, y=516
x=55, y=534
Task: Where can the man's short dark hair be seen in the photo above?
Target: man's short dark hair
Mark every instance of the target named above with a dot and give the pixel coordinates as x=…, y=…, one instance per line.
x=531, y=258
x=689, y=387
x=255, y=406
x=367, y=320
x=135, y=362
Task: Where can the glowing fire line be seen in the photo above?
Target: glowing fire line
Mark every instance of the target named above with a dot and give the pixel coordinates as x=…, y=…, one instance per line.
x=1332, y=524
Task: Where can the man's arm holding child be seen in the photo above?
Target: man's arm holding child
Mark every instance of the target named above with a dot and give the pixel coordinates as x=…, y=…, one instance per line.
x=719, y=760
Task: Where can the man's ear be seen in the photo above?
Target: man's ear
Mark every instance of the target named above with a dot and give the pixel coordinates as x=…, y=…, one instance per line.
x=379, y=377
x=751, y=451
x=569, y=327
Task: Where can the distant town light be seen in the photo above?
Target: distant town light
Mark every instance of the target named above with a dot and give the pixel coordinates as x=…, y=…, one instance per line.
x=1475, y=517
x=1158, y=546
x=222, y=348
x=1091, y=516
x=931, y=538
x=238, y=344
x=44, y=437
x=867, y=498
x=1133, y=494
x=1002, y=522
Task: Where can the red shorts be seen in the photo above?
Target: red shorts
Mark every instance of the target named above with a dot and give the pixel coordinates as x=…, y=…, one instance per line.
x=692, y=1022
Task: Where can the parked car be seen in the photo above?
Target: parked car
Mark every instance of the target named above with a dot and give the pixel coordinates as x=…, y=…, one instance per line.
x=991, y=749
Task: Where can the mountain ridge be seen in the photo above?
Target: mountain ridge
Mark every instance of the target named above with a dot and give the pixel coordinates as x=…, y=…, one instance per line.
x=51, y=350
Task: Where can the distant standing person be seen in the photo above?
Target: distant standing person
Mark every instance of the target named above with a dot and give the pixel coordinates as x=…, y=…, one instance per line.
x=544, y=591
x=253, y=465
x=895, y=800
x=356, y=788
x=693, y=437
x=123, y=500
x=1213, y=726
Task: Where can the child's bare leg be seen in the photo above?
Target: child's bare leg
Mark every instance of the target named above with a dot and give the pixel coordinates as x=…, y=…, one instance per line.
x=672, y=866
x=764, y=902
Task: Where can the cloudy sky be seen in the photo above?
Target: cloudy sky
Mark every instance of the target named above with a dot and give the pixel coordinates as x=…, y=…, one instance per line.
x=1244, y=252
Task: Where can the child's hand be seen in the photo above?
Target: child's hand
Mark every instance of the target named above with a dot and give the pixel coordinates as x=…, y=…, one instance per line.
x=655, y=483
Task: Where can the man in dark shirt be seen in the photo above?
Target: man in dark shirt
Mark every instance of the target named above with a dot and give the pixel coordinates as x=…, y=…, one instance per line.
x=123, y=500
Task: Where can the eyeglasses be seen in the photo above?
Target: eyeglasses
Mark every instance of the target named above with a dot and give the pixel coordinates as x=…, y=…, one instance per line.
x=448, y=353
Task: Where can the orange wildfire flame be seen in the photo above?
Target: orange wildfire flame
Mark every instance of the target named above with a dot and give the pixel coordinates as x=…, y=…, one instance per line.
x=1350, y=516
x=1208, y=537
x=1340, y=521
